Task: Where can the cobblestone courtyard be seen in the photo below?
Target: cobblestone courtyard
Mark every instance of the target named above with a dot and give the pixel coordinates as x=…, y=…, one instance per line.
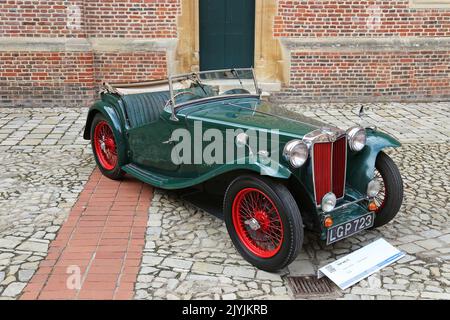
x=188, y=253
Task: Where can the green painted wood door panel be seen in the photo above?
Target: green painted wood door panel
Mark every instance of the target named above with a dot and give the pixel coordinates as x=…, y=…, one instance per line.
x=227, y=32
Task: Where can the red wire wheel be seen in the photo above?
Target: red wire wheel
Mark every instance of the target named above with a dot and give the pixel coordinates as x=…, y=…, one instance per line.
x=257, y=222
x=105, y=145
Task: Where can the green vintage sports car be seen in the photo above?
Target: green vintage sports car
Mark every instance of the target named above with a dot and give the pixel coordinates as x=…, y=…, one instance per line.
x=275, y=171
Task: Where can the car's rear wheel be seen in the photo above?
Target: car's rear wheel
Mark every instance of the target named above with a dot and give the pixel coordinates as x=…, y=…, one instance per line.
x=390, y=197
x=263, y=221
x=105, y=148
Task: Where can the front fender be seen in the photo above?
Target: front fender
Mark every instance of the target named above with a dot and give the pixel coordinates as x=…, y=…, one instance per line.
x=361, y=165
x=113, y=119
x=274, y=169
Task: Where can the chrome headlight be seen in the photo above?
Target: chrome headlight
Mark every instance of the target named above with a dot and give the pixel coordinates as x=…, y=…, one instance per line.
x=296, y=152
x=373, y=188
x=328, y=202
x=356, y=138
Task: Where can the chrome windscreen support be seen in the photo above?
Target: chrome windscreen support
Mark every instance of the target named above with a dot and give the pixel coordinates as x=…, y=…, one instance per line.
x=173, y=117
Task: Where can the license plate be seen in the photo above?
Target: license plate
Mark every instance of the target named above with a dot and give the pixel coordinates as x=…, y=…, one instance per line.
x=349, y=228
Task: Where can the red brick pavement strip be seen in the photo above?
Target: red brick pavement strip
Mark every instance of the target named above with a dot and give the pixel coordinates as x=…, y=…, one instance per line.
x=104, y=237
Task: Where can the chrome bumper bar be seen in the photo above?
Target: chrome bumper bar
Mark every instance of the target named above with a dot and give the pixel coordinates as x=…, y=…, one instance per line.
x=347, y=204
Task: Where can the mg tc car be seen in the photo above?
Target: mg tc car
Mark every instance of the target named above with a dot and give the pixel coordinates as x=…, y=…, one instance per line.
x=275, y=171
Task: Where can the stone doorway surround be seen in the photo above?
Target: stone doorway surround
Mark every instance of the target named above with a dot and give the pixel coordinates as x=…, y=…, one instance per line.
x=268, y=61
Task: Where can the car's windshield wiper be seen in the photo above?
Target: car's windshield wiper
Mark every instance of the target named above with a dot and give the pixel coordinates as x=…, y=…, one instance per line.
x=196, y=79
x=235, y=73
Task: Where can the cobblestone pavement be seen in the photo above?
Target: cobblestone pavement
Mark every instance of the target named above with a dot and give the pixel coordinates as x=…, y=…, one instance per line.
x=45, y=163
x=188, y=253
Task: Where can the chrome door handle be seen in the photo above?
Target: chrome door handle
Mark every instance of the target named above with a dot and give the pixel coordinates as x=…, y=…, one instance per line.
x=168, y=141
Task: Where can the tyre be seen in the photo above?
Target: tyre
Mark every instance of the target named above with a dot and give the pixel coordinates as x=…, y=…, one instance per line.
x=263, y=221
x=390, y=197
x=104, y=148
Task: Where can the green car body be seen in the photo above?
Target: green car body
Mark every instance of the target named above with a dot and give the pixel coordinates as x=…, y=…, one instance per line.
x=144, y=150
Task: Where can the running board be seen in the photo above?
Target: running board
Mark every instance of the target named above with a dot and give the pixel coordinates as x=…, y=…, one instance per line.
x=155, y=179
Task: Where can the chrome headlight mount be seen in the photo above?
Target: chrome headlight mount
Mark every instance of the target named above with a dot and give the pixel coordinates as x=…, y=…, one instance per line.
x=356, y=138
x=296, y=153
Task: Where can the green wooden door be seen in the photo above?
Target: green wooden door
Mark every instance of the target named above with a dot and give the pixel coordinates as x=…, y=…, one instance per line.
x=226, y=34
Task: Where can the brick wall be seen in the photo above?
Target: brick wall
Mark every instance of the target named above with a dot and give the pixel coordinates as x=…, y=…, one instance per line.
x=46, y=78
x=36, y=79
x=373, y=18
x=131, y=18
x=43, y=76
x=323, y=56
x=129, y=67
x=33, y=18
x=369, y=76
x=107, y=18
x=364, y=50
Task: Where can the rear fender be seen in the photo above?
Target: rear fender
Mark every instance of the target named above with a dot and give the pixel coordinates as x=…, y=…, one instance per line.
x=113, y=119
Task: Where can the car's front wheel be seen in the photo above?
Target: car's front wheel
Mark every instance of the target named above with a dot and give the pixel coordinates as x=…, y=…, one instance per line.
x=263, y=221
x=390, y=197
x=105, y=148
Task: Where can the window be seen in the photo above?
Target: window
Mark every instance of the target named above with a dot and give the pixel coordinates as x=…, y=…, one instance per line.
x=429, y=4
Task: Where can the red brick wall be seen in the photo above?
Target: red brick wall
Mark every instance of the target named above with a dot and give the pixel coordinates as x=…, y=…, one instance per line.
x=374, y=70
x=129, y=67
x=33, y=18
x=106, y=18
x=371, y=76
x=344, y=73
x=70, y=78
x=132, y=18
x=330, y=18
x=46, y=78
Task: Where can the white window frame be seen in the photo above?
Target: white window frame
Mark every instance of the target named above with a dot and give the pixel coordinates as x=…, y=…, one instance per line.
x=429, y=4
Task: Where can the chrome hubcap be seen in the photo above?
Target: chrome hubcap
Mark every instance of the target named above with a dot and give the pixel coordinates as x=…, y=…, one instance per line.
x=253, y=224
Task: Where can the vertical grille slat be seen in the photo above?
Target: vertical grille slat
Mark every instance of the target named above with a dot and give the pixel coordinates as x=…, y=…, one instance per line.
x=329, y=168
x=339, y=159
x=322, y=169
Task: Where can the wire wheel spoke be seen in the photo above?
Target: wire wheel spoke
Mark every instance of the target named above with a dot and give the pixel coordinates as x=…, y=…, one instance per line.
x=258, y=222
x=380, y=198
x=105, y=145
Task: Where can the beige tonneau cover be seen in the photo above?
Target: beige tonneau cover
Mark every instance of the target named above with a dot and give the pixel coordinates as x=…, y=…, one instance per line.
x=145, y=86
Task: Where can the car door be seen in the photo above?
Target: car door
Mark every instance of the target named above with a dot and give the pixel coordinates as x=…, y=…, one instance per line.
x=150, y=145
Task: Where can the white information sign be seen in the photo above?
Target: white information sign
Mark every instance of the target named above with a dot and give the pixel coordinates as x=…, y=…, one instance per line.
x=360, y=264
